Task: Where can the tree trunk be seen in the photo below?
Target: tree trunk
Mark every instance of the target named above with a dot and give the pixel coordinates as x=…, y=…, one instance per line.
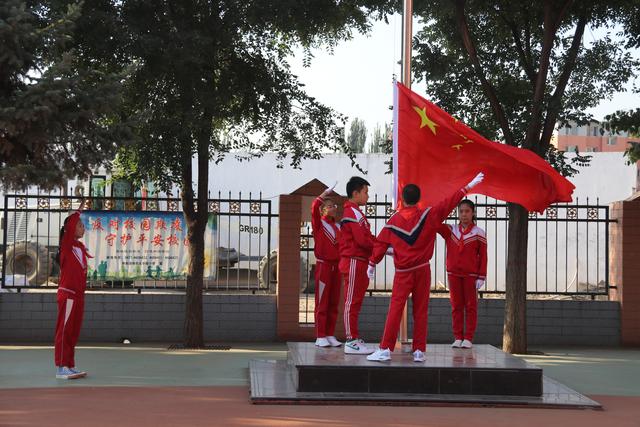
x=196, y=219
x=193, y=320
x=514, y=338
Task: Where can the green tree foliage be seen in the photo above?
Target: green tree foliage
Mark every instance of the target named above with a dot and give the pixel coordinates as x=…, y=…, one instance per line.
x=513, y=70
x=626, y=121
x=381, y=138
x=210, y=78
x=56, y=113
x=357, y=138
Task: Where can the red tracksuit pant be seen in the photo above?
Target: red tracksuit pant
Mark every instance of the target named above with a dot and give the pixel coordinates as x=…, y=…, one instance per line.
x=416, y=282
x=356, y=283
x=70, y=312
x=327, y=298
x=464, y=306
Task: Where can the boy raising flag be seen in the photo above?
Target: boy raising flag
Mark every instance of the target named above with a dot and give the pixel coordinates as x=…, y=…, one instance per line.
x=411, y=232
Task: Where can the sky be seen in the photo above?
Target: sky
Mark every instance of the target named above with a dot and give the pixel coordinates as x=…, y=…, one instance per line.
x=356, y=79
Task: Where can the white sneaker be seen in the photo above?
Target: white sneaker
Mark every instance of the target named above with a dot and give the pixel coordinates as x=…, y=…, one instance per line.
x=334, y=342
x=418, y=356
x=357, y=346
x=323, y=342
x=466, y=344
x=81, y=373
x=380, y=355
x=457, y=344
x=64, y=373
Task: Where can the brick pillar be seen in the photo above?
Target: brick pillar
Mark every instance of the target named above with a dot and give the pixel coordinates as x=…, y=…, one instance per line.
x=288, y=296
x=295, y=208
x=624, y=256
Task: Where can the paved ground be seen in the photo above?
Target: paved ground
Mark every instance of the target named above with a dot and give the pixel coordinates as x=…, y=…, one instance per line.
x=120, y=365
x=149, y=385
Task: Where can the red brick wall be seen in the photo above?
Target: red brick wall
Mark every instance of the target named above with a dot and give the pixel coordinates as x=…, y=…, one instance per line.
x=624, y=256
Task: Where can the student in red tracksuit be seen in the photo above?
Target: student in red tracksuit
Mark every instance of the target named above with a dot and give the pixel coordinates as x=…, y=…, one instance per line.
x=411, y=232
x=326, y=234
x=356, y=244
x=73, y=281
x=467, y=270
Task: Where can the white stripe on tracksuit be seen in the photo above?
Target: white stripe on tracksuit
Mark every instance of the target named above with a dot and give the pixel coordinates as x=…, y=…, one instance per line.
x=67, y=313
x=349, y=301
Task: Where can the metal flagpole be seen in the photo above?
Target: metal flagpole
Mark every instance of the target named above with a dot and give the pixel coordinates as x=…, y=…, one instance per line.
x=407, y=38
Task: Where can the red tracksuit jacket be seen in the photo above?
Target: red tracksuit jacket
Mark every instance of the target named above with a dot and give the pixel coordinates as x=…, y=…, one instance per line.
x=412, y=233
x=326, y=234
x=466, y=250
x=356, y=240
x=73, y=261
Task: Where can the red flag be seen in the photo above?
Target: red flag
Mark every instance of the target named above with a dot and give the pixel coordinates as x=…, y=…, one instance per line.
x=441, y=154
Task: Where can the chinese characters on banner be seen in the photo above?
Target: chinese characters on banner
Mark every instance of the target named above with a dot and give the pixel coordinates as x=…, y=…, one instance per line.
x=143, y=245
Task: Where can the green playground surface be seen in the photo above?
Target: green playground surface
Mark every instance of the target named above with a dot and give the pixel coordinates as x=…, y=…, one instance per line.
x=590, y=371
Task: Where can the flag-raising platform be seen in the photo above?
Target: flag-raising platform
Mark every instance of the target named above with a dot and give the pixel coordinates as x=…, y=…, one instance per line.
x=483, y=375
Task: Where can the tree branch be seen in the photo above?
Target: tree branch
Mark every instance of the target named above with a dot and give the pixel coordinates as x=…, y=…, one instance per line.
x=204, y=138
x=186, y=187
x=548, y=35
x=522, y=56
x=527, y=39
x=487, y=87
x=555, y=103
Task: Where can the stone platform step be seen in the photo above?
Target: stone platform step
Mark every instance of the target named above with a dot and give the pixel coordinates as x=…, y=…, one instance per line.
x=483, y=370
x=273, y=384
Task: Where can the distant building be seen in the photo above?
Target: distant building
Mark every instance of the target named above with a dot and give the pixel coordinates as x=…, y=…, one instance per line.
x=590, y=138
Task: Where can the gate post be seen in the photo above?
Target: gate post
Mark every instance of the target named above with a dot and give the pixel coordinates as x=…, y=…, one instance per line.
x=624, y=255
x=294, y=209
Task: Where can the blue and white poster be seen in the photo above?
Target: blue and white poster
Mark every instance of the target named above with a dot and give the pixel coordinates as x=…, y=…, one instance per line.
x=143, y=245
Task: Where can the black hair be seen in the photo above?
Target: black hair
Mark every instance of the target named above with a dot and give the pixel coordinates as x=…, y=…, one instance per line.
x=356, y=183
x=411, y=194
x=471, y=205
x=57, y=255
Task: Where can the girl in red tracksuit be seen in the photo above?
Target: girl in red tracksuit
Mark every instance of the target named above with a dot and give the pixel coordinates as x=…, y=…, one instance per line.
x=73, y=281
x=467, y=271
x=325, y=237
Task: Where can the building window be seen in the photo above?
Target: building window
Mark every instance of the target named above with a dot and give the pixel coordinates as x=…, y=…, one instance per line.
x=595, y=131
x=592, y=149
x=612, y=140
x=572, y=148
x=574, y=130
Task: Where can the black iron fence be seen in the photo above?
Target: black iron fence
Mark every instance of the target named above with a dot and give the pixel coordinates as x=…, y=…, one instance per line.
x=135, y=237
x=568, y=251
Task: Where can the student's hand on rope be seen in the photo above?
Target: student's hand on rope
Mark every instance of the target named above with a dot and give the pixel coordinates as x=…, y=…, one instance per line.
x=475, y=181
x=479, y=283
x=371, y=271
x=328, y=191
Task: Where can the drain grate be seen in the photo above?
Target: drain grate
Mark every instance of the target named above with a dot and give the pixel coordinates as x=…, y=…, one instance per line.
x=206, y=347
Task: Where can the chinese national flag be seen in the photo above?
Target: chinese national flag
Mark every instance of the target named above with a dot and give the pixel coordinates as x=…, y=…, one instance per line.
x=441, y=155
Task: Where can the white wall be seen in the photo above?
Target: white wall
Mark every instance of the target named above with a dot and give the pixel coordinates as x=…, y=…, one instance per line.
x=552, y=265
x=607, y=177
x=261, y=174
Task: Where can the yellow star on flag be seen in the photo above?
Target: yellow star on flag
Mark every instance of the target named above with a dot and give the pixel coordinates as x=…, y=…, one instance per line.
x=426, y=121
x=457, y=146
